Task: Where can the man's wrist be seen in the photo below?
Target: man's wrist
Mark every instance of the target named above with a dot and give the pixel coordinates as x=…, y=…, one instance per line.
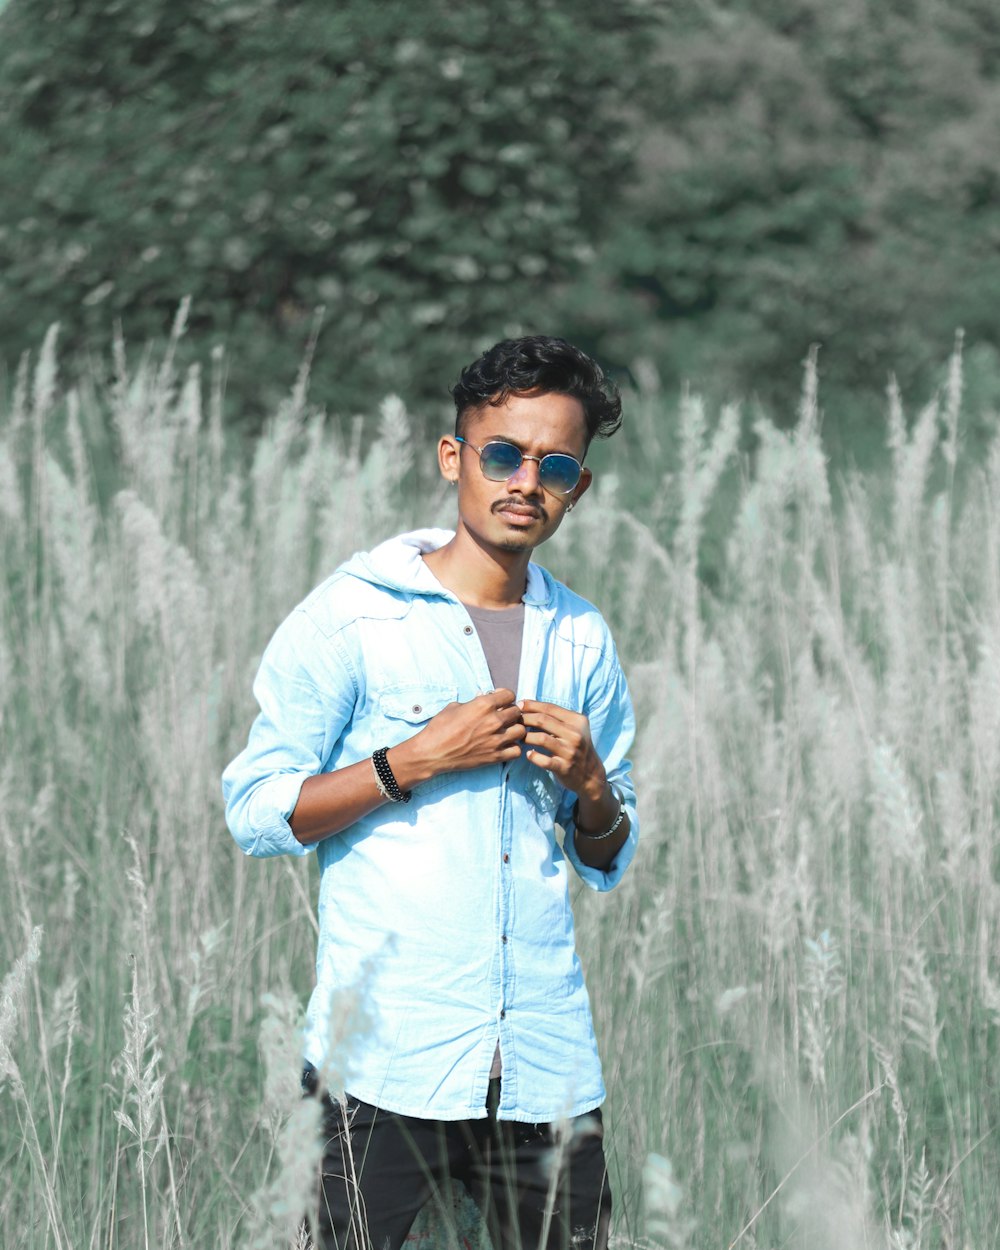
x=606, y=831
x=409, y=765
x=597, y=794
x=595, y=814
x=386, y=780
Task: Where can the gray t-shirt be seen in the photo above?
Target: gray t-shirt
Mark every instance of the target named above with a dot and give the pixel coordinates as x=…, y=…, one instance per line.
x=500, y=631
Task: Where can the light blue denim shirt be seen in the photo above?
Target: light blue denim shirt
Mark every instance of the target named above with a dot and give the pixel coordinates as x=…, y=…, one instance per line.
x=448, y=918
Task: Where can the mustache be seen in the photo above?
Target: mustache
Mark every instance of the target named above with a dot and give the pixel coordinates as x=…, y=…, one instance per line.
x=520, y=502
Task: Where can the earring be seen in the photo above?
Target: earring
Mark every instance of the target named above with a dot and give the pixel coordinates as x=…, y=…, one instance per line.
x=571, y=505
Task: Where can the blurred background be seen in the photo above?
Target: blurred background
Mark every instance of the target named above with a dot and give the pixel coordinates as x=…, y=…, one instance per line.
x=694, y=192
x=797, y=987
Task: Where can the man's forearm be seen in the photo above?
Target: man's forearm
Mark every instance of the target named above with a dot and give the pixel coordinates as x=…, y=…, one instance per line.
x=485, y=730
x=331, y=802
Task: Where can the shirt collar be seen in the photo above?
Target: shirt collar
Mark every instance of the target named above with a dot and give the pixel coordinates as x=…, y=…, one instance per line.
x=399, y=561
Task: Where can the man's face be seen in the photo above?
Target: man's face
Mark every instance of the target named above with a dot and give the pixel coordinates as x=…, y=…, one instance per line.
x=517, y=514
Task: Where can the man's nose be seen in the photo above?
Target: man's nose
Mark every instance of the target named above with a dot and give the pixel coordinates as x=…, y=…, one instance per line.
x=525, y=478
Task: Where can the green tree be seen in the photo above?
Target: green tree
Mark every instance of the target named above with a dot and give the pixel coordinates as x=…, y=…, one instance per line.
x=433, y=177
x=814, y=173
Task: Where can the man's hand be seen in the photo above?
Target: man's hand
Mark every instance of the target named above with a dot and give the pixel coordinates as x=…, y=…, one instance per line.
x=487, y=730
x=560, y=742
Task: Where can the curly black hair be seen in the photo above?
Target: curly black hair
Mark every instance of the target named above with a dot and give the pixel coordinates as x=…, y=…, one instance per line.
x=539, y=363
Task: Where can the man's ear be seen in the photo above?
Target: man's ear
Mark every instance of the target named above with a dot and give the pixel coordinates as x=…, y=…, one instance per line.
x=449, y=457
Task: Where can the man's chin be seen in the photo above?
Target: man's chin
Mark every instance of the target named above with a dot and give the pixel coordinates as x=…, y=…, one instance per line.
x=519, y=536
x=515, y=542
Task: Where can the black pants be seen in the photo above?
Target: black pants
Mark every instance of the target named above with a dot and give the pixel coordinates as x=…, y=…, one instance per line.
x=380, y=1169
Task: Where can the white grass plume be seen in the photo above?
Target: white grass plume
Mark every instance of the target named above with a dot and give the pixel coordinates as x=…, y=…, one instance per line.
x=666, y=1222
x=918, y=1001
x=822, y=985
x=897, y=818
x=142, y=1091
x=13, y=996
x=293, y=1123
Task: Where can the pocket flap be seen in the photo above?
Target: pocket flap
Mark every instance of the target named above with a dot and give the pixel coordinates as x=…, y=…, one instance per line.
x=416, y=704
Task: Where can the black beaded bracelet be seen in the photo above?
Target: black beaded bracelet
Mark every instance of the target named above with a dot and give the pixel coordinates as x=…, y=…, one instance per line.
x=386, y=782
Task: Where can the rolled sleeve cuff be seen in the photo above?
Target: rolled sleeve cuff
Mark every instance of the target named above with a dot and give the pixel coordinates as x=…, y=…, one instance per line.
x=268, y=810
x=603, y=879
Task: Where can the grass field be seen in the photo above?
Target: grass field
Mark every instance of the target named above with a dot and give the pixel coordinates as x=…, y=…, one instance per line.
x=797, y=987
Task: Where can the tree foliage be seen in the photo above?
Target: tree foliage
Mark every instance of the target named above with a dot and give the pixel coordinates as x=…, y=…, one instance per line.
x=713, y=186
x=828, y=174
x=432, y=182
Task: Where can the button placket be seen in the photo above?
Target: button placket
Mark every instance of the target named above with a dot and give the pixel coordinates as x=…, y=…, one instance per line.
x=503, y=894
x=481, y=668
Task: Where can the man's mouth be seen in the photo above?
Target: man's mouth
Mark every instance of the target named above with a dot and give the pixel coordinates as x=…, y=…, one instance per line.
x=520, y=511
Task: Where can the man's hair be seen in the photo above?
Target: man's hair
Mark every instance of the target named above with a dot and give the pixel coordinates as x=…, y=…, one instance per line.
x=543, y=365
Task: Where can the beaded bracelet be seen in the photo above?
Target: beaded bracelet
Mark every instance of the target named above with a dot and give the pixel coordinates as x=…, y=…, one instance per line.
x=599, y=837
x=387, y=784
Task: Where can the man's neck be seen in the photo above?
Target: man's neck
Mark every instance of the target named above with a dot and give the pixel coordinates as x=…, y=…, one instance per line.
x=481, y=577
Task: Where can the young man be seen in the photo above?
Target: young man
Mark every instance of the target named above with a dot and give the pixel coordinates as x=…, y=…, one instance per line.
x=428, y=716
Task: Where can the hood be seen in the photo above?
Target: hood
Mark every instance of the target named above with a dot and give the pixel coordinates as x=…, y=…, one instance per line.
x=397, y=565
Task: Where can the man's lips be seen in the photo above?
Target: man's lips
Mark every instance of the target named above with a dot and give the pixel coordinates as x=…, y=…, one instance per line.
x=520, y=511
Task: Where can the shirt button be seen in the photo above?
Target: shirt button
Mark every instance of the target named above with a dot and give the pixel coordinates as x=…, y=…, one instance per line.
x=417, y=708
x=503, y=1015
x=504, y=939
x=506, y=858
x=467, y=629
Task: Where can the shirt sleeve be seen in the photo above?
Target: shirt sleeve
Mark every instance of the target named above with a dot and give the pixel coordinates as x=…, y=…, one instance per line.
x=306, y=692
x=612, y=728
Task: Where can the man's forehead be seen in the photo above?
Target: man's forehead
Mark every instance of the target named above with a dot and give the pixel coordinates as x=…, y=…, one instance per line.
x=550, y=418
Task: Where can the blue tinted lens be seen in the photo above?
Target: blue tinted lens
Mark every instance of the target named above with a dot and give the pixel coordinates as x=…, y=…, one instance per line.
x=559, y=473
x=500, y=461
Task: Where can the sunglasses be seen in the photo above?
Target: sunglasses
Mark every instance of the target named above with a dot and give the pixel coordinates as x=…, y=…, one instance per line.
x=499, y=461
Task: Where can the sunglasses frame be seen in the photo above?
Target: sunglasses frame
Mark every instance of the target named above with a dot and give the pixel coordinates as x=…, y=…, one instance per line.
x=539, y=460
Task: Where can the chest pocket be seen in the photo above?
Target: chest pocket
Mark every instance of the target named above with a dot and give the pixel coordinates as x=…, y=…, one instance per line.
x=404, y=710
x=539, y=788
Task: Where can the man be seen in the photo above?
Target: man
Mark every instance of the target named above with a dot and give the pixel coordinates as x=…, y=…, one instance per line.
x=428, y=716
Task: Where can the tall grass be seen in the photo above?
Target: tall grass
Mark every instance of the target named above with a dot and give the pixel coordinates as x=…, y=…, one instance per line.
x=797, y=987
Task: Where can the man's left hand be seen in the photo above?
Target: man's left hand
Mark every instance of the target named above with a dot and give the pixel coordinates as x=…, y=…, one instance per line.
x=559, y=740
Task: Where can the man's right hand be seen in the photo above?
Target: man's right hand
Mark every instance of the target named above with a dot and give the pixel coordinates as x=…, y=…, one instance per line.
x=487, y=730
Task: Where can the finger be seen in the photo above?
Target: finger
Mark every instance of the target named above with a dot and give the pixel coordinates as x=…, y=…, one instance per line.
x=511, y=753
x=535, y=705
x=548, y=742
x=542, y=723
x=552, y=760
x=551, y=763
x=549, y=715
x=501, y=697
x=513, y=735
x=509, y=715
x=548, y=709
